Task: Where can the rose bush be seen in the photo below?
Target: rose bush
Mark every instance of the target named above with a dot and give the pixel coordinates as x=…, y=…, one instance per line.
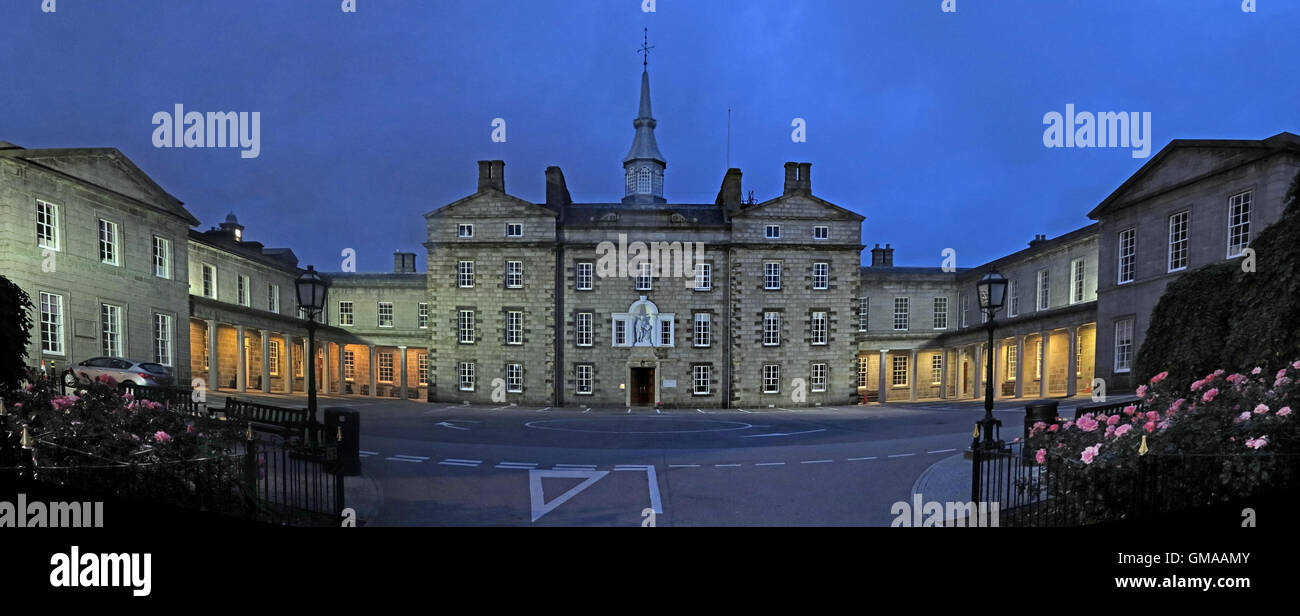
x=101, y=424
x=1240, y=421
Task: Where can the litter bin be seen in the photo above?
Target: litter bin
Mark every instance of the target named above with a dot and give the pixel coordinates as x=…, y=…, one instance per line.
x=348, y=422
x=1041, y=410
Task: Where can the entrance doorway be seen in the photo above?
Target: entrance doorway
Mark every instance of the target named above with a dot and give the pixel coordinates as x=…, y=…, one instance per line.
x=643, y=386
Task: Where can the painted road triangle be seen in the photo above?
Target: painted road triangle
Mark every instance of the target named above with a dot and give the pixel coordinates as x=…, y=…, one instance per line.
x=540, y=506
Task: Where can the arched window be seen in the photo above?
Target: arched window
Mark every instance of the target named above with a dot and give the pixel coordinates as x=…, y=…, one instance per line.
x=658, y=183
x=631, y=181
x=643, y=181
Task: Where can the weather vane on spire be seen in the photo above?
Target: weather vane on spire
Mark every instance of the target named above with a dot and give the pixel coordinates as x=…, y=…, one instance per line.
x=645, y=49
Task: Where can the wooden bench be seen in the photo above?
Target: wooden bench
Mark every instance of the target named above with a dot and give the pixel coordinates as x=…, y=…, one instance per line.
x=287, y=421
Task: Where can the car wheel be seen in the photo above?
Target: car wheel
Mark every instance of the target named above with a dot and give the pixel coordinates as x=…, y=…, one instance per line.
x=70, y=379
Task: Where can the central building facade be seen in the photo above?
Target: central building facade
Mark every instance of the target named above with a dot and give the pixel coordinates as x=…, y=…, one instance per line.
x=643, y=302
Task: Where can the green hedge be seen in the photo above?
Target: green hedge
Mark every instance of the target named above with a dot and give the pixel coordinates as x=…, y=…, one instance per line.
x=15, y=334
x=1220, y=316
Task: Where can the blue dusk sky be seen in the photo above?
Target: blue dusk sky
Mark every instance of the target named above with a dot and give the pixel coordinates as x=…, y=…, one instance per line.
x=929, y=124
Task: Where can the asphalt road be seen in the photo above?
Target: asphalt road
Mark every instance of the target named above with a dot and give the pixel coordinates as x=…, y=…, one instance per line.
x=437, y=464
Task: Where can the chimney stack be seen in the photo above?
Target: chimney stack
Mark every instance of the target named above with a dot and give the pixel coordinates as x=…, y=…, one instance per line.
x=1038, y=239
x=491, y=174
x=877, y=256
x=557, y=192
x=729, y=196
x=403, y=262
x=797, y=178
x=887, y=254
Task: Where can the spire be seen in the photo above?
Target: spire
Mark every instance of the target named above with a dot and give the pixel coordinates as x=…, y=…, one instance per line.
x=644, y=146
x=644, y=165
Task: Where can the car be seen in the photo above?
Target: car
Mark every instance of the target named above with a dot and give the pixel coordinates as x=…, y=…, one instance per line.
x=120, y=369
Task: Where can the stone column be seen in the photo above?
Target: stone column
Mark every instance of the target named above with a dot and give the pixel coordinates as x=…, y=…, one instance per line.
x=884, y=382
x=978, y=390
x=286, y=354
x=213, y=374
x=913, y=374
x=943, y=374
x=401, y=351
x=1044, y=338
x=374, y=391
x=1020, y=366
x=1072, y=364
x=241, y=361
x=324, y=383
x=342, y=375
x=266, y=365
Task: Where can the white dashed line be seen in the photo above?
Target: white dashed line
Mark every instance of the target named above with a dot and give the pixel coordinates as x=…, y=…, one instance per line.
x=816, y=461
x=395, y=459
x=727, y=465
x=523, y=466
x=463, y=461
x=866, y=458
x=743, y=410
x=683, y=466
x=901, y=455
x=657, y=411
x=368, y=453
x=574, y=467
x=419, y=458
x=941, y=451
x=445, y=463
x=700, y=412
x=770, y=464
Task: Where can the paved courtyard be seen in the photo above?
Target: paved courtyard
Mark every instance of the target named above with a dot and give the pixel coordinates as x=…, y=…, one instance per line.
x=441, y=464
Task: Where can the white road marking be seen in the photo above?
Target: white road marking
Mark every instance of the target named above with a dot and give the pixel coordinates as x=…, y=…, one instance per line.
x=368, y=453
x=941, y=451
x=565, y=467
x=444, y=463
x=501, y=407
x=464, y=461
x=524, y=466
x=402, y=455
x=744, y=411
x=770, y=464
x=539, y=505
x=587, y=411
x=783, y=433
x=629, y=411
x=657, y=411
x=395, y=459
x=448, y=424
x=543, y=410
x=866, y=458
x=700, y=412
x=901, y=455
x=831, y=408
x=652, y=479
x=727, y=465
x=815, y=461
x=683, y=466
x=786, y=410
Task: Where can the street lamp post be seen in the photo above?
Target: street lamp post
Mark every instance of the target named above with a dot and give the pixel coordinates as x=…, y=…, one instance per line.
x=992, y=289
x=311, y=300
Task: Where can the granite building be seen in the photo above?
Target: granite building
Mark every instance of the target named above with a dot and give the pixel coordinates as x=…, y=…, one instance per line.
x=734, y=303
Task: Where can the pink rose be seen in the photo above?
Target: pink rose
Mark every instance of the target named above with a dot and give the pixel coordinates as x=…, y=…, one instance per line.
x=1209, y=395
x=1112, y=420
x=1152, y=415
x=1130, y=409
x=1053, y=428
x=1164, y=425
x=1087, y=423
x=1142, y=391
x=1257, y=443
x=1243, y=417
x=1257, y=370
x=1261, y=409
x=1236, y=378
x=1089, y=453
x=1040, y=456
x=1296, y=365
x=1150, y=426
x=189, y=429
x=1110, y=431
x=161, y=437
x=1197, y=385
x=1122, y=430
x=1160, y=377
x=1178, y=404
x=1284, y=411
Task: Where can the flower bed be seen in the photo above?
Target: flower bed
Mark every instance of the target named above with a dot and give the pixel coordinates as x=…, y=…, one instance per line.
x=1242, y=425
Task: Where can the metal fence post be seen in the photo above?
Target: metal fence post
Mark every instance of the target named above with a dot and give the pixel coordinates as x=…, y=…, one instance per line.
x=339, y=502
x=250, y=468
